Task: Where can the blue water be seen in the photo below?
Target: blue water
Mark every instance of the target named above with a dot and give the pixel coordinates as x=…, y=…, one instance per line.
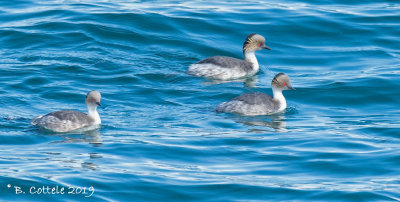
x=161, y=138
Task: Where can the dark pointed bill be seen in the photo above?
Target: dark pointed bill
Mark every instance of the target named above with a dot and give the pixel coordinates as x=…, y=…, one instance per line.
x=290, y=87
x=266, y=47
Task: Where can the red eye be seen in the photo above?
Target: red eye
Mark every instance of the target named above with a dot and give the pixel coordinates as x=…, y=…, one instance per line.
x=259, y=44
x=284, y=84
x=93, y=100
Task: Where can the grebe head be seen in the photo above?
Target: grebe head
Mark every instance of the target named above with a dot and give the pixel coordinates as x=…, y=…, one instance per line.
x=254, y=42
x=93, y=98
x=281, y=81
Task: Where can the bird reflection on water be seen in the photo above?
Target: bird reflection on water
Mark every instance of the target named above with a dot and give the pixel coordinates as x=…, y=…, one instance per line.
x=275, y=121
x=92, y=137
x=248, y=82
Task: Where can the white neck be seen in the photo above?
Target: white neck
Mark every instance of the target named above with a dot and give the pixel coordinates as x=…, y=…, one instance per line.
x=92, y=112
x=250, y=56
x=278, y=96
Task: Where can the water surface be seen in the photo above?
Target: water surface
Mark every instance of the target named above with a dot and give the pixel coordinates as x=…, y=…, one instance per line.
x=161, y=138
